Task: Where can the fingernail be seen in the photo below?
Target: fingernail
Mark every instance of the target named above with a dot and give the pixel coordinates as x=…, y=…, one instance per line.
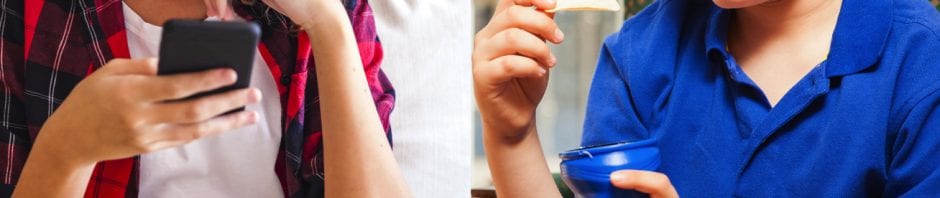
x=229, y=75
x=617, y=176
x=559, y=36
x=254, y=96
x=252, y=117
x=552, y=60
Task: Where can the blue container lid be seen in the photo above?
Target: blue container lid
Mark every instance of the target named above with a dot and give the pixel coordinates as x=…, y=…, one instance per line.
x=592, y=151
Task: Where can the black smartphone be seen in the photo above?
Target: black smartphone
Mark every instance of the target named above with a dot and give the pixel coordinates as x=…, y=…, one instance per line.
x=190, y=46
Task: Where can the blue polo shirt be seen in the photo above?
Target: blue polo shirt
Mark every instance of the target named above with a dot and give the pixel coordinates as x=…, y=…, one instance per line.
x=865, y=122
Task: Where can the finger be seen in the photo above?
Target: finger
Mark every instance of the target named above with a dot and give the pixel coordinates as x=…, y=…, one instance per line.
x=653, y=183
x=175, y=135
x=539, y=4
x=204, y=108
x=120, y=66
x=160, y=145
x=179, y=86
x=515, y=41
x=223, y=8
x=504, y=68
x=529, y=20
x=211, y=9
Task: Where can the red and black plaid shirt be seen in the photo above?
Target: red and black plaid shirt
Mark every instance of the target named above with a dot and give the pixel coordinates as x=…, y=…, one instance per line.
x=48, y=46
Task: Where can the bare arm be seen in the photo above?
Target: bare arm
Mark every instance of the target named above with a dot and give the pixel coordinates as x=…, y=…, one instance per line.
x=357, y=156
x=518, y=165
x=510, y=73
x=46, y=174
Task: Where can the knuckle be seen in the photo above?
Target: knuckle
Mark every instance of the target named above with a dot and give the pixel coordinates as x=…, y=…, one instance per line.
x=209, y=77
x=543, y=50
x=174, y=90
x=127, y=122
x=506, y=64
x=661, y=182
x=201, y=131
x=138, y=143
x=516, y=14
x=130, y=121
x=513, y=37
x=548, y=24
x=194, y=113
x=124, y=99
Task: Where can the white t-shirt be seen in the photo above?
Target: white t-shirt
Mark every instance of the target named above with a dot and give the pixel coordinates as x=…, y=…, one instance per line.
x=237, y=163
x=427, y=45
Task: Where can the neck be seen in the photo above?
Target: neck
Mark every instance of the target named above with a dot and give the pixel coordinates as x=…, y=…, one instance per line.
x=802, y=28
x=788, y=16
x=157, y=12
x=787, y=19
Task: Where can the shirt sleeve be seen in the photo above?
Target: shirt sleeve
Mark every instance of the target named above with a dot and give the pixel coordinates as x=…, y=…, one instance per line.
x=371, y=52
x=914, y=156
x=15, y=140
x=611, y=112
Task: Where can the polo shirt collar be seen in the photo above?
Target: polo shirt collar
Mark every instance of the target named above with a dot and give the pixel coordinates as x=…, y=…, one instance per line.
x=716, y=45
x=857, y=43
x=716, y=34
x=860, y=36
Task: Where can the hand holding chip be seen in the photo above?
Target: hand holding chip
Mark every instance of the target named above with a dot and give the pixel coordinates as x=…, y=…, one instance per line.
x=511, y=59
x=511, y=62
x=585, y=5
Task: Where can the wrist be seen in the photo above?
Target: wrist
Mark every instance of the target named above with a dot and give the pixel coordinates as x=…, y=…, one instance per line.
x=48, y=172
x=333, y=38
x=330, y=15
x=49, y=148
x=508, y=131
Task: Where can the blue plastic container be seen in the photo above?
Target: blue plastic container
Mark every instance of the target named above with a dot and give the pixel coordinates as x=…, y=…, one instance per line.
x=587, y=170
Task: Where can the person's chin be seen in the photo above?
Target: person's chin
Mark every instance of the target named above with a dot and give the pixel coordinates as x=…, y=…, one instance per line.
x=732, y=4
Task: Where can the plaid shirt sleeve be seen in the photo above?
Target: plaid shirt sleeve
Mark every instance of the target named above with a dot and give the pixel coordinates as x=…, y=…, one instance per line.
x=14, y=134
x=372, y=53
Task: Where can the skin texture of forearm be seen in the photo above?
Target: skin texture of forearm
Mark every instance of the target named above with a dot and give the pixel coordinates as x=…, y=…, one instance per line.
x=48, y=175
x=357, y=156
x=518, y=165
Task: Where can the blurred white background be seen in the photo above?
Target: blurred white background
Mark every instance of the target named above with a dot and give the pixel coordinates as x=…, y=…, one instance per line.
x=427, y=57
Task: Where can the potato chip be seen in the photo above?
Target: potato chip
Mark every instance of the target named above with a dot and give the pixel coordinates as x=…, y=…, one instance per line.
x=585, y=5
